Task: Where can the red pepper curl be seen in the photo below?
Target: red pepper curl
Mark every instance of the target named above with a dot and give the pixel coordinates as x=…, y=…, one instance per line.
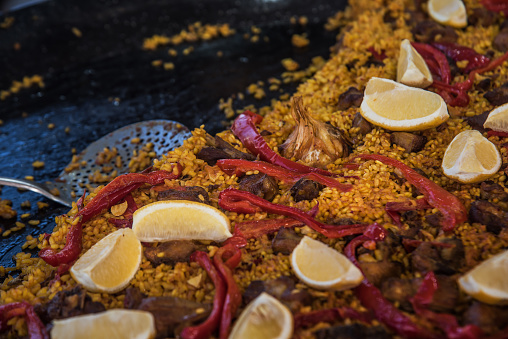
x=245, y=129
x=460, y=53
x=244, y=202
x=240, y=167
x=446, y=322
x=110, y=195
x=372, y=299
x=436, y=61
x=36, y=329
x=496, y=6
x=205, y=329
x=453, y=210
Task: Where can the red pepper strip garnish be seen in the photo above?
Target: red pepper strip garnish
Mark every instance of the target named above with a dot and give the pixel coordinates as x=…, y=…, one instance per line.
x=378, y=56
x=497, y=134
x=244, y=202
x=496, y=6
x=255, y=228
x=371, y=297
x=446, y=322
x=127, y=221
x=111, y=194
x=330, y=315
x=459, y=53
x=430, y=53
x=36, y=329
x=240, y=167
x=81, y=201
x=245, y=129
x=449, y=205
x=233, y=297
x=205, y=329
x=237, y=241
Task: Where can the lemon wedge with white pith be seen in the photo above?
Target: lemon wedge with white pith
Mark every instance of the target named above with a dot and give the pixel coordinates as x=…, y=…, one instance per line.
x=488, y=282
x=498, y=119
x=109, y=265
x=322, y=267
x=112, y=324
x=398, y=107
x=448, y=12
x=266, y=318
x=180, y=220
x=471, y=158
x=411, y=68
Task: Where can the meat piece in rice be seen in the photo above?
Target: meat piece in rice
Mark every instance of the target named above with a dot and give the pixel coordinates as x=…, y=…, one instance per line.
x=260, y=184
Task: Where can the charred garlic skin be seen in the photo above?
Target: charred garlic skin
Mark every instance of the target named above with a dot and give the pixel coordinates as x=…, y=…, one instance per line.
x=313, y=142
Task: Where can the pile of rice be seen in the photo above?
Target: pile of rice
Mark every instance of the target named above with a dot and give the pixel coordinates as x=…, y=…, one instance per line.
x=364, y=203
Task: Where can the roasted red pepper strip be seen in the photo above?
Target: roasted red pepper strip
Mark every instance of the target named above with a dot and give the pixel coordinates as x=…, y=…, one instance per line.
x=127, y=221
x=240, y=167
x=372, y=299
x=255, y=228
x=36, y=329
x=233, y=297
x=245, y=129
x=496, y=6
x=446, y=322
x=244, y=202
x=111, y=194
x=430, y=53
x=459, y=53
x=449, y=205
x=205, y=329
x=497, y=134
x=330, y=315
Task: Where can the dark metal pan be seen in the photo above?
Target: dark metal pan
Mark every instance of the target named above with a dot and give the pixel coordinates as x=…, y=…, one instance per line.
x=103, y=79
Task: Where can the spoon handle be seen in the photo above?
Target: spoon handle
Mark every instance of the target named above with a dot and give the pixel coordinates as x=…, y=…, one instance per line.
x=34, y=187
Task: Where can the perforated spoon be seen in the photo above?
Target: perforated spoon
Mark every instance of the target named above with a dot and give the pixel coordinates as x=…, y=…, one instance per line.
x=165, y=135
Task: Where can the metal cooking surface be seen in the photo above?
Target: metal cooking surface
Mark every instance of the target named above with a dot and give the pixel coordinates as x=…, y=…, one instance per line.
x=103, y=80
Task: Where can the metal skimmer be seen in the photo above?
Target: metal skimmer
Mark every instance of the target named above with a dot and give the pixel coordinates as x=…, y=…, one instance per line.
x=165, y=135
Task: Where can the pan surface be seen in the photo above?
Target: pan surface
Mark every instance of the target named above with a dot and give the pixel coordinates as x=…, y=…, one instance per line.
x=97, y=77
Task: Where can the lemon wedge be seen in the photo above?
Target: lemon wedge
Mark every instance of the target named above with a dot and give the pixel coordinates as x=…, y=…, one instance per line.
x=110, y=264
x=398, y=107
x=265, y=317
x=488, y=282
x=112, y=324
x=498, y=119
x=471, y=158
x=180, y=220
x=448, y=12
x=411, y=68
x=322, y=267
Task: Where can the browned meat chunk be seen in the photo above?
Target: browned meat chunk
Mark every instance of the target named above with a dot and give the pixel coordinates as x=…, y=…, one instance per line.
x=488, y=214
x=351, y=97
x=498, y=96
x=483, y=17
x=454, y=256
x=491, y=190
x=282, y=288
x=489, y=318
x=285, y=241
x=133, y=298
x=377, y=272
x=262, y=185
x=66, y=304
x=171, y=252
x=194, y=193
x=399, y=290
x=476, y=122
x=172, y=314
x=427, y=31
x=220, y=149
x=359, y=121
x=305, y=189
x=409, y=141
x=501, y=40
x=355, y=330
x=426, y=258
